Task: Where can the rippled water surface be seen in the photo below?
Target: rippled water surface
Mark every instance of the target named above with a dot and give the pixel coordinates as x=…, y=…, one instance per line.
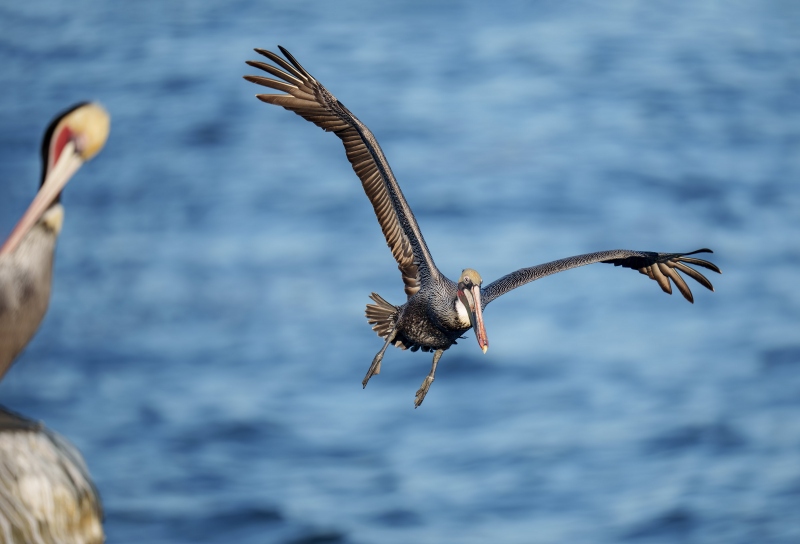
x=206, y=342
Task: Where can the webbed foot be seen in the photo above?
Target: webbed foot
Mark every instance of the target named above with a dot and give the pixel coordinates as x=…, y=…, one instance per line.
x=426, y=383
x=423, y=390
x=375, y=368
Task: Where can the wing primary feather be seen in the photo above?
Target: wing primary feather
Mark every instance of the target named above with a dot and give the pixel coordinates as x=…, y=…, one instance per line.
x=695, y=275
x=284, y=100
x=283, y=64
x=294, y=61
x=701, y=262
x=679, y=283
x=662, y=280
x=276, y=72
x=279, y=86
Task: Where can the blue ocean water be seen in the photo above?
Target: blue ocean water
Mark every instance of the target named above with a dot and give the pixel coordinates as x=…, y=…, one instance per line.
x=205, y=343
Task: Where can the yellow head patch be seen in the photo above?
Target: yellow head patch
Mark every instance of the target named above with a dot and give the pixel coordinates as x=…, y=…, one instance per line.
x=90, y=125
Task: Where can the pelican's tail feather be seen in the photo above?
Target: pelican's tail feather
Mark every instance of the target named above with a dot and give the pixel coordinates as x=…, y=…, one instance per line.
x=382, y=316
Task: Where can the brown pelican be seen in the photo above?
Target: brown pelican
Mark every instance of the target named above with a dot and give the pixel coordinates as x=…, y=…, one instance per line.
x=26, y=258
x=46, y=494
x=438, y=311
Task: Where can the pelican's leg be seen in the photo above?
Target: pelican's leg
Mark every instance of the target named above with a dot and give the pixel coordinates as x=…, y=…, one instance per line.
x=375, y=367
x=426, y=383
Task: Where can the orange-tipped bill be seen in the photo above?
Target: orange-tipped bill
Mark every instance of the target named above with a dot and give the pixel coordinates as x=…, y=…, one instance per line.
x=472, y=302
x=67, y=164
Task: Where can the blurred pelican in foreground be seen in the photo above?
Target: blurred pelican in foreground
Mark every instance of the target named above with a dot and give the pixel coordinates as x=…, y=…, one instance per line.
x=46, y=494
x=437, y=311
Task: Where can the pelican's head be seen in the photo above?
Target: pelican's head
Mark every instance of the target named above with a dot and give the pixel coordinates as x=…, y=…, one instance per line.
x=469, y=293
x=72, y=138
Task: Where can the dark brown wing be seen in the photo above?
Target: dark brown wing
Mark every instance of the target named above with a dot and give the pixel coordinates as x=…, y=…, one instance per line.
x=660, y=267
x=309, y=99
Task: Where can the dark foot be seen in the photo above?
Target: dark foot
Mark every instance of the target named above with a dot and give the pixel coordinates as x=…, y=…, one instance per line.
x=422, y=391
x=375, y=368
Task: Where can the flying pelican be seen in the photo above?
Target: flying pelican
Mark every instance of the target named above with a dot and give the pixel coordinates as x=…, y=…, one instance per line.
x=438, y=311
x=46, y=494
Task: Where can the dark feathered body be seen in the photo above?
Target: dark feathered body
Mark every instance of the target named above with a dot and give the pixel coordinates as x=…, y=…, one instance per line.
x=427, y=321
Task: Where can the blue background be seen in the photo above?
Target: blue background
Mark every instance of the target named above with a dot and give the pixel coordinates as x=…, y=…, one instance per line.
x=206, y=342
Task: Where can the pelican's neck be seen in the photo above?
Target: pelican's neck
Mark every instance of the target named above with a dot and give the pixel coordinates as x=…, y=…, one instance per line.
x=33, y=257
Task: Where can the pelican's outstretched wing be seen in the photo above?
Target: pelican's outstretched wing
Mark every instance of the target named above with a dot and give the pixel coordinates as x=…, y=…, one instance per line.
x=660, y=267
x=309, y=99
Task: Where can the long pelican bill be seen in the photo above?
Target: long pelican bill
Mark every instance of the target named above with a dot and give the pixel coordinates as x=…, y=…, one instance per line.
x=473, y=305
x=66, y=166
x=477, y=315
